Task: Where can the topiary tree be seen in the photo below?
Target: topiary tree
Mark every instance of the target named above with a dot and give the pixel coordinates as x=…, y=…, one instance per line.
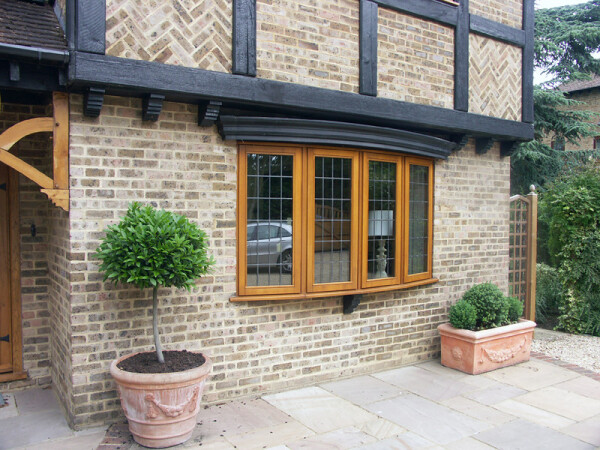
x=463, y=315
x=150, y=248
x=488, y=300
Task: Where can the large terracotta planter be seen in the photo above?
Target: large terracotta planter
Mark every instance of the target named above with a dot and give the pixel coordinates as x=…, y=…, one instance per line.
x=481, y=351
x=161, y=408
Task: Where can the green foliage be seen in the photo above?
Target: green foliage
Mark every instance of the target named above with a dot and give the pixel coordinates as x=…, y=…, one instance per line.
x=573, y=311
x=566, y=39
x=463, y=315
x=515, y=309
x=150, y=248
x=570, y=209
x=488, y=300
x=549, y=293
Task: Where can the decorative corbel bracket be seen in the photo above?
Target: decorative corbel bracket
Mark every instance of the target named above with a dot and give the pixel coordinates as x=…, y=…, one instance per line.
x=92, y=102
x=483, y=145
x=56, y=189
x=208, y=112
x=508, y=147
x=461, y=141
x=152, y=106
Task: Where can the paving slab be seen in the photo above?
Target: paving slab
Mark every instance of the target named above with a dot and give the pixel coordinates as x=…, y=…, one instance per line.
x=586, y=431
x=318, y=409
x=478, y=411
x=563, y=403
x=428, y=419
x=534, y=414
x=270, y=436
x=362, y=390
x=468, y=444
x=583, y=386
x=10, y=408
x=521, y=434
x=382, y=429
x=494, y=394
x=36, y=400
x=79, y=441
x=344, y=438
x=425, y=383
x=532, y=375
x=405, y=441
x=29, y=429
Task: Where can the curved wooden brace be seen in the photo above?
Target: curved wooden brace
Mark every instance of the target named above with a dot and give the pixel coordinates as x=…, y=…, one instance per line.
x=17, y=132
x=56, y=189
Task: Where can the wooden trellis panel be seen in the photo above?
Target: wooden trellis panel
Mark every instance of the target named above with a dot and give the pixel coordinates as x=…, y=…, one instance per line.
x=523, y=250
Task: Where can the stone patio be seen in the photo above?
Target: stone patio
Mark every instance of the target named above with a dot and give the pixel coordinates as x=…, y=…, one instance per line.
x=537, y=404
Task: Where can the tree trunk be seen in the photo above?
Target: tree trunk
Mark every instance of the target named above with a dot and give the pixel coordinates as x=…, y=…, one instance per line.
x=159, y=354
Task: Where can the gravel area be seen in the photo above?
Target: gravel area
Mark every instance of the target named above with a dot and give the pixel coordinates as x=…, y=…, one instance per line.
x=571, y=348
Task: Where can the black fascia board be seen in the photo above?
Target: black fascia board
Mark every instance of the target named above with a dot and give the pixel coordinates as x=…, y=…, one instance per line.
x=327, y=132
x=498, y=31
x=429, y=9
x=120, y=76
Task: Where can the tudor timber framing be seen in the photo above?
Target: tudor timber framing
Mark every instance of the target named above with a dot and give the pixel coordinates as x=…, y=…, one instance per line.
x=56, y=189
x=120, y=76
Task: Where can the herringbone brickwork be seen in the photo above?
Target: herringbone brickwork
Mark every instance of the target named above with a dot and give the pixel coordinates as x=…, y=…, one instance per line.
x=494, y=78
x=191, y=34
x=309, y=43
x=415, y=60
x=508, y=12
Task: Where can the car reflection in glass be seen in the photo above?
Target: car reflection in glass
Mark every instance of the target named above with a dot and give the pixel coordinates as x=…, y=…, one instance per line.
x=270, y=245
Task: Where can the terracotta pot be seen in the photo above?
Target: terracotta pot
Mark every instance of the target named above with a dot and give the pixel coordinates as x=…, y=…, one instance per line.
x=481, y=351
x=161, y=408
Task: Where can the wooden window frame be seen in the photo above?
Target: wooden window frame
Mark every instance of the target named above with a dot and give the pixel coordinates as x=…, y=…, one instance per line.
x=412, y=161
x=303, y=285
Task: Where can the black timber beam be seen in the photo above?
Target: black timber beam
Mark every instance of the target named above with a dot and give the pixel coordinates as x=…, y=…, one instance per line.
x=498, y=31
x=128, y=77
x=368, y=48
x=461, y=58
x=425, y=9
x=28, y=77
x=527, y=69
x=89, y=22
x=244, y=37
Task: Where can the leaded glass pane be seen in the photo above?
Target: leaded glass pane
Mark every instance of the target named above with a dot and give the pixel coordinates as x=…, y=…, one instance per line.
x=333, y=205
x=418, y=219
x=269, y=220
x=382, y=218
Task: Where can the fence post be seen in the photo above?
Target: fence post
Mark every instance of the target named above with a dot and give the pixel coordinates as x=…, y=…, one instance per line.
x=531, y=253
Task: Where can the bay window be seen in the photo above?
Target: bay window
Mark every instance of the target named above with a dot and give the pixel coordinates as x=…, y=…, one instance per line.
x=315, y=221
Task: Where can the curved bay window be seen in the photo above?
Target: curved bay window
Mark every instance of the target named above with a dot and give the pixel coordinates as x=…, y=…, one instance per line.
x=316, y=221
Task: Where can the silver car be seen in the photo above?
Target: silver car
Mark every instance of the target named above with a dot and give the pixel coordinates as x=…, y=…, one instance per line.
x=270, y=244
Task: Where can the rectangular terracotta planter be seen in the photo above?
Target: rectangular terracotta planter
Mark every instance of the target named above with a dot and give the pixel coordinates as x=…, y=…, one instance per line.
x=481, y=351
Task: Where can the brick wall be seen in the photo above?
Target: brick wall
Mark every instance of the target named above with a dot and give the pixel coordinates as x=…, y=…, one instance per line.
x=495, y=80
x=313, y=44
x=192, y=34
x=34, y=206
x=508, y=12
x=415, y=60
x=591, y=98
x=256, y=346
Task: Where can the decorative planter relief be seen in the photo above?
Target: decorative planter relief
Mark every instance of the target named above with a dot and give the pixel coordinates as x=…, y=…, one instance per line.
x=477, y=352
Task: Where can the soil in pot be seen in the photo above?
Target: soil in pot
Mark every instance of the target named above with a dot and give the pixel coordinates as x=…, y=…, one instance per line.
x=175, y=361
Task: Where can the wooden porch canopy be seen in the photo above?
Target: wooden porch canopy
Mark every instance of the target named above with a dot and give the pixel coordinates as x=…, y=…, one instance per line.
x=56, y=189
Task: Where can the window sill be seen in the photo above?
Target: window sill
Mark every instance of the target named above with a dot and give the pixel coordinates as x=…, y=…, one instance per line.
x=395, y=287
x=12, y=376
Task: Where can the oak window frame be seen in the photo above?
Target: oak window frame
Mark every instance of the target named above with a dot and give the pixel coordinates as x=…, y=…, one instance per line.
x=303, y=285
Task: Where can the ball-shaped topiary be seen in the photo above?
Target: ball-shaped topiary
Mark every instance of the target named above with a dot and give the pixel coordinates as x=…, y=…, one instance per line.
x=463, y=315
x=150, y=248
x=488, y=300
x=515, y=309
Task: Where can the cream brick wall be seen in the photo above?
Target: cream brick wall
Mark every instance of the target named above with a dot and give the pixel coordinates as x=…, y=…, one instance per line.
x=314, y=43
x=592, y=103
x=508, y=12
x=495, y=78
x=191, y=34
x=256, y=347
x=415, y=60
